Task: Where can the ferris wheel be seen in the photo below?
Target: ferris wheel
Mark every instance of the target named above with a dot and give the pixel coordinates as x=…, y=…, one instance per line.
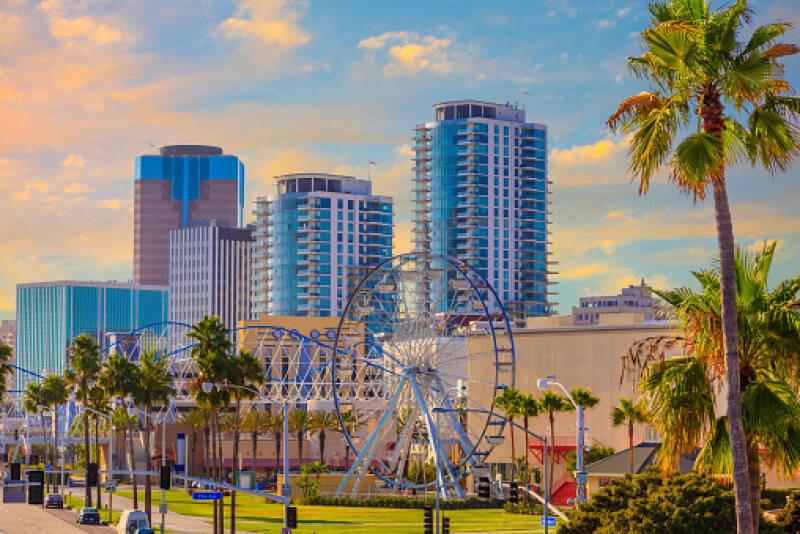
x=417, y=324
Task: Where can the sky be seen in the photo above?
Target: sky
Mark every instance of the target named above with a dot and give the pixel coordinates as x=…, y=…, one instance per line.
x=324, y=86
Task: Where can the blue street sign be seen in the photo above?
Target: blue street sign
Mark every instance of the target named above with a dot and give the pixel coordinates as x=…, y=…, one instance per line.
x=551, y=521
x=207, y=496
x=178, y=468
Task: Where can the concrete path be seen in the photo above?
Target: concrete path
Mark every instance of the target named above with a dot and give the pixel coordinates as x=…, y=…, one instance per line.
x=19, y=518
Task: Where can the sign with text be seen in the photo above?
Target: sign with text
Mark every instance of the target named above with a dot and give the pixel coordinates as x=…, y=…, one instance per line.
x=551, y=521
x=207, y=495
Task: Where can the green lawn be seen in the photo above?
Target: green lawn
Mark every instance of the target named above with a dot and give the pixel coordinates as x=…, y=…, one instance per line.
x=77, y=503
x=253, y=514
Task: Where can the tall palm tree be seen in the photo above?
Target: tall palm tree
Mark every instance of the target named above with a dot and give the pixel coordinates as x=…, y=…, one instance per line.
x=274, y=426
x=321, y=422
x=680, y=391
x=629, y=413
x=33, y=403
x=527, y=407
x=509, y=403
x=552, y=403
x=6, y=353
x=211, y=352
x=352, y=421
x=55, y=394
x=244, y=371
x=255, y=423
x=84, y=361
x=194, y=420
x=702, y=78
x=121, y=377
x=299, y=423
x=98, y=401
x=155, y=388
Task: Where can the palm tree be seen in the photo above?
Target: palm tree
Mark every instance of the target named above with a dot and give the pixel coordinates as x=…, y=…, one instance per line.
x=509, y=403
x=211, y=352
x=155, y=388
x=321, y=422
x=255, y=422
x=120, y=376
x=98, y=401
x=696, y=66
x=629, y=413
x=54, y=394
x=352, y=421
x=194, y=419
x=680, y=391
x=84, y=360
x=244, y=371
x=527, y=407
x=551, y=403
x=6, y=353
x=584, y=399
x=299, y=423
x=274, y=426
x=33, y=403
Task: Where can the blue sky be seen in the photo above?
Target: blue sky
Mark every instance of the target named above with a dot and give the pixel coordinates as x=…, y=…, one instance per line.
x=328, y=86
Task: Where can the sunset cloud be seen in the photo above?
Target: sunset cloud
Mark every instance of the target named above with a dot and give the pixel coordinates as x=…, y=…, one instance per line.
x=270, y=22
x=408, y=53
x=73, y=160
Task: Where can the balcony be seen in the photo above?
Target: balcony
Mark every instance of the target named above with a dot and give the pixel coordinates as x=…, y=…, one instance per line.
x=420, y=168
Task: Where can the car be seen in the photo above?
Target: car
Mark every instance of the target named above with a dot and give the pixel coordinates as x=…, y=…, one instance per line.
x=54, y=500
x=131, y=521
x=145, y=531
x=88, y=515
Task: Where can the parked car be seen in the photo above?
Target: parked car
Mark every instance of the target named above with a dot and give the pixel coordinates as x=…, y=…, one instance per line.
x=131, y=521
x=54, y=500
x=88, y=515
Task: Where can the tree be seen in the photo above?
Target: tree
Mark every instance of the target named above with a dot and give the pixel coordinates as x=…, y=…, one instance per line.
x=696, y=67
x=591, y=455
x=155, y=388
x=6, y=371
x=121, y=377
x=680, y=391
x=321, y=422
x=84, y=361
x=352, y=421
x=789, y=517
x=194, y=420
x=211, y=352
x=551, y=403
x=54, y=395
x=274, y=425
x=509, y=403
x=527, y=407
x=244, y=370
x=255, y=422
x=98, y=402
x=299, y=423
x=629, y=413
x=33, y=403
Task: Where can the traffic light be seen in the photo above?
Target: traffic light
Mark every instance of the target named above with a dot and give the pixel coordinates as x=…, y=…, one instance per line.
x=428, y=523
x=513, y=494
x=483, y=488
x=291, y=517
x=445, y=525
x=165, y=477
x=92, y=475
x=36, y=492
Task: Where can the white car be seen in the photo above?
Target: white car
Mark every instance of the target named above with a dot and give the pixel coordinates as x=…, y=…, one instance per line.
x=132, y=520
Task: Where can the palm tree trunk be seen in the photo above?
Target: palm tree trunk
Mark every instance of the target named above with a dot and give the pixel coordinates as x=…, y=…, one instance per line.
x=132, y=458
x=221, y=461
x=552, y=460
x=299, y=449
x=730, y=330
x=87, y=450
x=322, y=447
x=754, y=469
x=148, y=467
x=511, y=429
x=630, y=441
x=97, y=456
x=190, y=467
x=233, y=464
x=206, y=449
x=525, y=424
x=254, y=443
x=214, y=465
x=55, y=443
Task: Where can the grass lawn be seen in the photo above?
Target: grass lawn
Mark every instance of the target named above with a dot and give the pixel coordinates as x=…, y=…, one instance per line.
x=77, y=503
x=253, y=514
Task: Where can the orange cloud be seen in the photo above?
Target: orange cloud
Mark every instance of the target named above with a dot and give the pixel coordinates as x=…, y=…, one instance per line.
x=270, y=22
x=73, y=160
x=580, y=156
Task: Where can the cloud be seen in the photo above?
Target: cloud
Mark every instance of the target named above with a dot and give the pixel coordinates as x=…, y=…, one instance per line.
x=584, y=271
x=605, y=23
x=623, y=12
x=75, y=188
x=583, y=155
x=76, y=28
x=409, y=53
x=268, y=22
x=73, y=160
x=41, y=187
x=22, y=196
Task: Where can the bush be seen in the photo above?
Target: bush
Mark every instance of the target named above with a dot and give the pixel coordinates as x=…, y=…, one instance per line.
x=390, y=501
x=772, y=499
x=522, y=508
x=789, y=518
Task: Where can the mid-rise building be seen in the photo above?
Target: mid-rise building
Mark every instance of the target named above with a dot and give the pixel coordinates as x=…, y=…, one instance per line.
x=632, y=299
x=180, y=185
x=209, y=274
x=481, y=196
x=51, y=314
x=315, y=240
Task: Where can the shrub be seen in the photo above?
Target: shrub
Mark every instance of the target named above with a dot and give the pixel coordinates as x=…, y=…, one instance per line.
x=389, y=501
x=789, y=518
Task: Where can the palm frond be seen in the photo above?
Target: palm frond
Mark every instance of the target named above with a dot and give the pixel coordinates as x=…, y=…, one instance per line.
x=773, y=141
x=697, y=159
x=715, y=455
x=764, y=34
x=641, y=104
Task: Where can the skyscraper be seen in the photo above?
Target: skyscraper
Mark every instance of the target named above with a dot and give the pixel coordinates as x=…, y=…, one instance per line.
x=209, y=273
x=182, y=184
x=481, y=195
x=320, y=234
x=51, y=314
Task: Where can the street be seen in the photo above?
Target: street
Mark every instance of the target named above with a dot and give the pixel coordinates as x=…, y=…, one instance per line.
x=18, y=518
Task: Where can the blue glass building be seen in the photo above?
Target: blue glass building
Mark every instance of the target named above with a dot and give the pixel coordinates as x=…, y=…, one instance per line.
x=481, y=195
x=51, y=314
x=315, y=240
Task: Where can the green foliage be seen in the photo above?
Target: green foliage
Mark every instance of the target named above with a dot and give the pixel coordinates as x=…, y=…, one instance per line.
x=421, y=473
x=789, y=518
x=595, y=452
x=522, y=508
x=390, y=501
x=6, y=353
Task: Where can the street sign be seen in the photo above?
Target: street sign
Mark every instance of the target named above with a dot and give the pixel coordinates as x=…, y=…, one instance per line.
x=551, y=521
x=178, y=468
x=162, y=508
x=111, y=485
x=207, y=495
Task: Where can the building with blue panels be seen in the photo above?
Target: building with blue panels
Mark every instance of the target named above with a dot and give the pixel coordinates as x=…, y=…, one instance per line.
x=51, y=314
x=314, y=241
x=481, y=195
x=181, y=186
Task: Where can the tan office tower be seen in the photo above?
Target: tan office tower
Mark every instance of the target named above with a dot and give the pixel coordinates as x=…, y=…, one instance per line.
x=182, y=184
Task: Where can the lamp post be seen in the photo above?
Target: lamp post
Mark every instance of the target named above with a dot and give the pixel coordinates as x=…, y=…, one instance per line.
x=580, y=474
x=286, y=488
x=110, y=461
x=163, y=422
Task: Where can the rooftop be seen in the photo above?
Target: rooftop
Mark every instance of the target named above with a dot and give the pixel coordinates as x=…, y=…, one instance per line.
x=644, y=455
x=190, y=150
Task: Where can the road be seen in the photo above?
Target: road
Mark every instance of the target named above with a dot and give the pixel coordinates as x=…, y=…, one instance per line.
x=18, y=518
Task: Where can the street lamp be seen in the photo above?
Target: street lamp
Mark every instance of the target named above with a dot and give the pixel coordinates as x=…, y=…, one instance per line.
x=110, y=452
x=580, y=474
x=286, y=488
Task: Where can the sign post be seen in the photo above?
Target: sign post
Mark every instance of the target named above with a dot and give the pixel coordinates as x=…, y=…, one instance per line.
x=111, y=486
